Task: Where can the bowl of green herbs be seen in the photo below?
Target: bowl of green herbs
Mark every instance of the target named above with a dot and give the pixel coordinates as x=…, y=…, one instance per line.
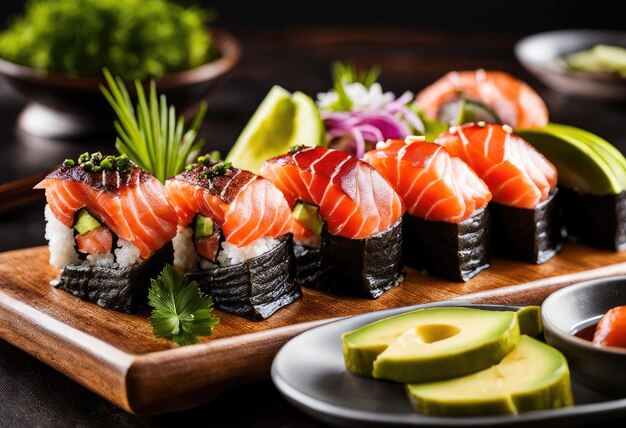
x=53, y=56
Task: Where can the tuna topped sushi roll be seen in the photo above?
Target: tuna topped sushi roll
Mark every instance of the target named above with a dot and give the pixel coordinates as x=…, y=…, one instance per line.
x=234, y=237
x=446, y=228
x=525, y=215
x=353, y=212
x=109, y=227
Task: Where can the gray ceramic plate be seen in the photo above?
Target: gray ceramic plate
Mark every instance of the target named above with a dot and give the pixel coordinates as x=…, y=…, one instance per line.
x=309, y=371
x=540, y=53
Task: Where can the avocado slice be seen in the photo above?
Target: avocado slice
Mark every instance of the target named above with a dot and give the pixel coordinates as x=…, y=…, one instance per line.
x=529, y=319
x=85, y=222
x=579, y=166
x=203, y=226
x=533, y=376
x=281, y=121
x=431, y=344
x=603, y=148
x=308, y=215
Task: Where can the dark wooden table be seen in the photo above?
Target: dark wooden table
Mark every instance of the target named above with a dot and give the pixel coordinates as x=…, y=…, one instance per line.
x=32, y=394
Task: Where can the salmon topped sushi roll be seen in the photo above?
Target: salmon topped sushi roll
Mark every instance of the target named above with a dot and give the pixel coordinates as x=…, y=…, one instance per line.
x=234, y=237
x=522, y=182
x=353, y=217
x=109, y=227
x=491, y=96
x=446, y=227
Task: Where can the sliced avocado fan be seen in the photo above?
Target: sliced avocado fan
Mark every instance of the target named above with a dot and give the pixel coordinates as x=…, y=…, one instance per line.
x=582, y=166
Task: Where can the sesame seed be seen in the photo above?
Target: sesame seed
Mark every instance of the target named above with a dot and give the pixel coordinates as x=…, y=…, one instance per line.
x=507, y=128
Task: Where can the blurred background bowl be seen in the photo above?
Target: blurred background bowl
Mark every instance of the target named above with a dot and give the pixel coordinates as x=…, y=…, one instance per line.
x=540, y=54
x=574, y=308
x=61, y=106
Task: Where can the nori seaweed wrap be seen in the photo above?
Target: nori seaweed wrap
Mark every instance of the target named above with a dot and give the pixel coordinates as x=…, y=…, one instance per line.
x=120, y=289
x=530, y=235
x=109, y=230
x=256, y=287
x=597, y=220
x=363, y=267
x=234, y=238
x=455, y=251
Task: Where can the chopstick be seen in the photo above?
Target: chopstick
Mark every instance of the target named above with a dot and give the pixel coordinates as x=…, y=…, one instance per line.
x=16, y=193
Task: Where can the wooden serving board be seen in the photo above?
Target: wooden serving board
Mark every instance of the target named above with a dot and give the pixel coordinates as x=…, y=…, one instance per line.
x=116, y=355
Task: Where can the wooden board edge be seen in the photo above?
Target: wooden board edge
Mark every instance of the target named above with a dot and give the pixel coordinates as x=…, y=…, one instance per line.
x=66, y=349
x=535, y=292
x=186, y=377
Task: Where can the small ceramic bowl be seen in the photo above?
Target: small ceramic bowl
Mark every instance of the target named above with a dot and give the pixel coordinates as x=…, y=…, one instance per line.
x=60, y=106
x=573, y=308
x=540, y=54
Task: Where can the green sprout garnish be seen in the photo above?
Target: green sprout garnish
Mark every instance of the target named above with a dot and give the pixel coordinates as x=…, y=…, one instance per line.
x=181, y=312
x=345, y=74
x=150, y=134
x=295, y=149
x=220, y=168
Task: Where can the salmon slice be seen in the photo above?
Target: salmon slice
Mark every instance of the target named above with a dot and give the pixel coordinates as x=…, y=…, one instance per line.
x=246, y=206
x=517, y=175
x=133, y=205
x=433, y=185
x=515, y=103
x=96, y=241
x=353, y=198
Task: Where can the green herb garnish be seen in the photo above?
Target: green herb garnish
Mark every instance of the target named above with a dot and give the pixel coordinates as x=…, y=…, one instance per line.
x=295, y=149
x=220, y=168
x=135, y=39
x=96, y=162
x=181, y=311
x=151, y=135
x=345, y=74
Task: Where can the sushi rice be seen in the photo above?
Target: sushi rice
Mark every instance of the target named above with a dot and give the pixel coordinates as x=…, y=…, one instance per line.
x=63, y=251
x=186, y=259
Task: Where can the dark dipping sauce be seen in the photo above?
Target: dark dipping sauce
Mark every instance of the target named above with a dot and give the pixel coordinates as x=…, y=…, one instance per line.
x=587, y=332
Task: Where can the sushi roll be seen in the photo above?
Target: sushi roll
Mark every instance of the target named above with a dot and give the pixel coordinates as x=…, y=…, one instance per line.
x=492, y=96
x=446, y=227
x=109, y=226
x=234, y=238
x=353, y=215
x=525, y=214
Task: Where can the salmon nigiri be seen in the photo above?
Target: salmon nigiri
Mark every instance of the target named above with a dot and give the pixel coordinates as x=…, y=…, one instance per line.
x=433, y=185
x=513, y=101
x=526, y=219
x=353, y=210
x=446, y=228
x=516, y=173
